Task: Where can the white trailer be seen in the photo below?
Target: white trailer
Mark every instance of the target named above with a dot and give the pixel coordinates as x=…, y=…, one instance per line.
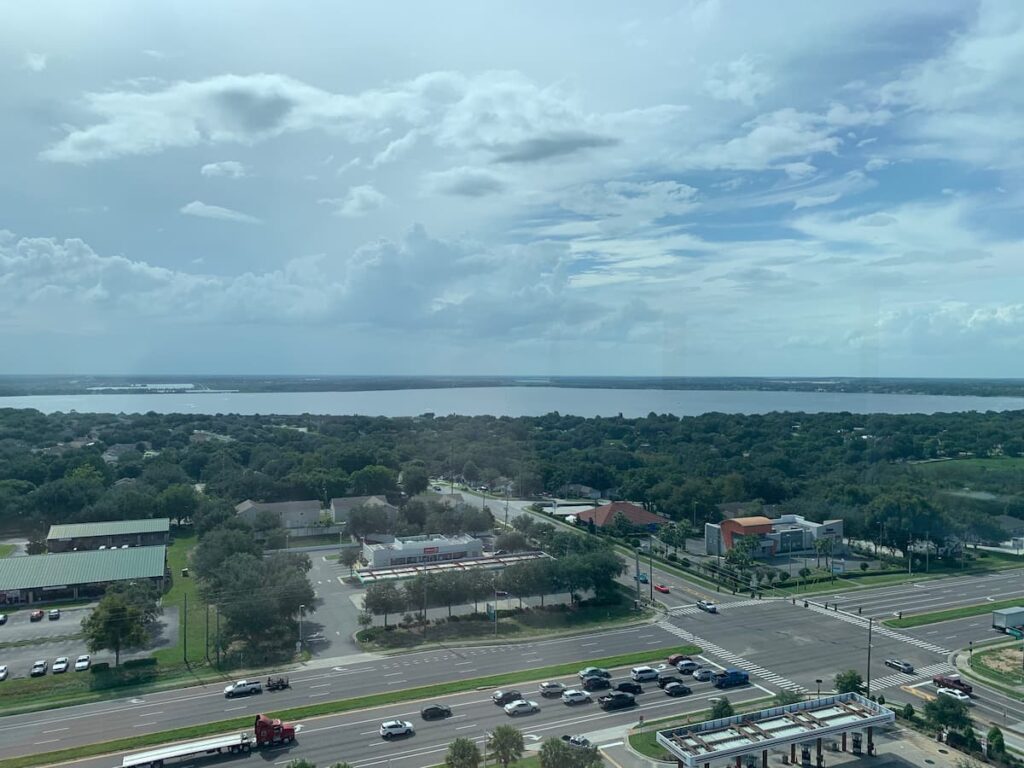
x=1008, y=618
x=232, y=743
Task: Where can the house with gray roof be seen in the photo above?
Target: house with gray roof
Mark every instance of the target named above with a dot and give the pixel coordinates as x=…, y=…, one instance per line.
x=343, y=505
x=292, y=514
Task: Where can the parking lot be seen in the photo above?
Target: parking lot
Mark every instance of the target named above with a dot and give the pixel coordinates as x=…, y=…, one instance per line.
x=23, y=642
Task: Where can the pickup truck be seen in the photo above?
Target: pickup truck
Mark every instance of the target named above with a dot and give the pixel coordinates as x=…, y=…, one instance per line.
x=243, y=688
x=731, y=678
x=955, y=682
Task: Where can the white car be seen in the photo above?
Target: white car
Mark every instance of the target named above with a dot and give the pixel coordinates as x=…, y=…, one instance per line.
x=703, y=674
x=521, y=707
x=707, y=605
x=60, y=664
x=82, y=662
x=551, y=689
x=391, y=728
x=687, y=666
x=573, y=696
x=640, y=674
x=953, y=693
x=3, y=671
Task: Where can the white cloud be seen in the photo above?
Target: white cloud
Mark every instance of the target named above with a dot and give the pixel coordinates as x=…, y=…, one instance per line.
x=464, y=181
x=36, y=62
x=738, y=81
x=229, y=168
x=812, y=201
x=876, y=164
x=358, y=201
x=395, y=149
x=197, y=208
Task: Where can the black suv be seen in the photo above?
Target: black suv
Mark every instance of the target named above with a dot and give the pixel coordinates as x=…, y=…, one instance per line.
x=628, y=686
x=506, y=697
x=663, y=681
x=616, y=700
x=435, y=712
x=596, y=683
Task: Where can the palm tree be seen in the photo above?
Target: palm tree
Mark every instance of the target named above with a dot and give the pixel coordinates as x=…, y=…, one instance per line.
x=462, y=753
x=506, y=744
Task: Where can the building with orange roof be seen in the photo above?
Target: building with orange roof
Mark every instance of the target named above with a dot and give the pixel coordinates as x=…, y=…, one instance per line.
x=786, y=534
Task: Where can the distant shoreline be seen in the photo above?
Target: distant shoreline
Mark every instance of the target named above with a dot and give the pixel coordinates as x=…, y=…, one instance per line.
x=22, y=386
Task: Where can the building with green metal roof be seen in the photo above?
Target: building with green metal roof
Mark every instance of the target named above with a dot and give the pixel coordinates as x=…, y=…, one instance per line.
x=113, y=533
x=75, y=575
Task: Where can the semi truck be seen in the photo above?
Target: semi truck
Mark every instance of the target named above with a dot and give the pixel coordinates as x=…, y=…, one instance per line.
x=266, y=732
x=731, y=678
x=1006, y=619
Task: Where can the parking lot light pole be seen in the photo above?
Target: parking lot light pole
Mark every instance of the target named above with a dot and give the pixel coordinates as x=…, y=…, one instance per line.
x=302, y=608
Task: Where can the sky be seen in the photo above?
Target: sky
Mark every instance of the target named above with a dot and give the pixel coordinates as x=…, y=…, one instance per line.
x=590, y=188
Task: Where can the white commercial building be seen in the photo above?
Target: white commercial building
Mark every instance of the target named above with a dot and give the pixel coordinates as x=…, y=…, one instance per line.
x=421, y=549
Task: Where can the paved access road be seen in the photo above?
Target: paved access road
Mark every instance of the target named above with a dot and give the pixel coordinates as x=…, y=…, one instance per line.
x=353, y=737
x=60, y=728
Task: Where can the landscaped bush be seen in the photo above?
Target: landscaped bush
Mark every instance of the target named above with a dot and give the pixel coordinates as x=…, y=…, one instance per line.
x=98, y=667
x=136, y=663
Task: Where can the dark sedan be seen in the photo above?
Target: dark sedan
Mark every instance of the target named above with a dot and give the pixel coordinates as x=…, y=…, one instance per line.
x=628, y=686
x=595, y=683
x=435, y=712
x=667, y=680
x=677, y=689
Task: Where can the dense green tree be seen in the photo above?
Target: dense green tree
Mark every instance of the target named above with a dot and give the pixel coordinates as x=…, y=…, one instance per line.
x=372, y=480
x=415, y=479
x=512, y=541
x=384, y=599
x=505, y=744
x=462, y=753
x=349, y=556
x=949, y=713
x=849, y=681
x=115, y=623
x=721, y=708
x=178, y=502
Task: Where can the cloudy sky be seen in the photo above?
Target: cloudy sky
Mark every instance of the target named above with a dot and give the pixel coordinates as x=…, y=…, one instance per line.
x=687, y=188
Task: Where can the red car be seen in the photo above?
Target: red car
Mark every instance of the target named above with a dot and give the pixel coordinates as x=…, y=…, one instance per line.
x=661, y=588
x=35, y=616
x=675, y=658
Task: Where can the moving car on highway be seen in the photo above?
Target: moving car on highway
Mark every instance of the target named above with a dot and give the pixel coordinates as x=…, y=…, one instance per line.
x=707, y=605
x=505, y=697
x=628, y=686
x=581, y=742
x=551, y=689
x=521, y=707
x=616, y=700
x=35, y=616
x=953, y=693
x=3, y=618
x=573, y=696
x=595, y=683
x=703, y=674
x=663, y=588
x=688, y=666
x=242, y=688
x=903, y=666
x=593, y=672
x=54, y=614
x=436, y=712
x=677, y=689
x=389, y=729
x=639, y=674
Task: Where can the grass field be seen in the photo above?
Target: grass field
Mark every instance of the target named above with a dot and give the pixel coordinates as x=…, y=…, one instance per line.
x=933, y=617
x=1002, y=667
x=342, y=705
x=191, y=627
x=6, y=550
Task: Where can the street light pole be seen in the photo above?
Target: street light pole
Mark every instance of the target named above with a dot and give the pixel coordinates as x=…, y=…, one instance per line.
x=871, y=622
x=302, y=609
x=818, y=683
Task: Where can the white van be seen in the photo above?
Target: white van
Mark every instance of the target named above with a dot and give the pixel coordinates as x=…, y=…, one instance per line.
x=640, y=674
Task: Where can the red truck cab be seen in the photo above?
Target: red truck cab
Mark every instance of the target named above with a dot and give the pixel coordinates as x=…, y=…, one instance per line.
x=272, y=731
x=953, y=681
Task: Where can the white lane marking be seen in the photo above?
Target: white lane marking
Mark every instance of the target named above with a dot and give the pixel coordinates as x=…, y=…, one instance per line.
x=463, y=663
x=321, y=685
x=232, y=709
x=612, y=744
x=150, y=714
x=48, y=741
x=56, y=730
x=322, y=693
x=392, y=674
x=463, y=727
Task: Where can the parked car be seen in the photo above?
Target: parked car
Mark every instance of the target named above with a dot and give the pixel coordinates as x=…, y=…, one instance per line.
x=521, y=707
x=3, y=671
x=675, y=658
x=82, y=662
x=703, y=674
x=665, y=680
x=551, y=689
x=54, y=614
x=688, y=667
x=663, y=588
x=628, y=686
x=639, y=674
x=391, y=728
x=573, y=696
x=3, y=618
x=593, y=672
x=616, y=700
x=435, y=712
x=953, y=693
x=242, y=688
x=707, y=605
x=596, y=683
x=902, y=666
x=35, y=616
x=38, y=669
x=504, y=697
x=60, y=664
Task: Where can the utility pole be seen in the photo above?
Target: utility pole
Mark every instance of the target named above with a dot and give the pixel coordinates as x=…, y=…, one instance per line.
x=650, y=563
x=184, y=635
x=207, y=653
x=927, y=549
x=871, y=622
x=636, y=554
x=217, y=638
x=506, y=506
x=694, y=505
x=910, y=558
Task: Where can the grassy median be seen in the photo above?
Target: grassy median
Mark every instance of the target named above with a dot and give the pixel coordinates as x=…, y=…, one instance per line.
x=933, y=617
x=342, y=705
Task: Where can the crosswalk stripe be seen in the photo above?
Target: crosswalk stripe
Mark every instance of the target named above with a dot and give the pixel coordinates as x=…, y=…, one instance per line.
x=733, y=659
x=880, y=629
x=902, y=678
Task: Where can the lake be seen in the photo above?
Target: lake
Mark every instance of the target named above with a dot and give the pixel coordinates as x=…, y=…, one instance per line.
x=513, y=401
